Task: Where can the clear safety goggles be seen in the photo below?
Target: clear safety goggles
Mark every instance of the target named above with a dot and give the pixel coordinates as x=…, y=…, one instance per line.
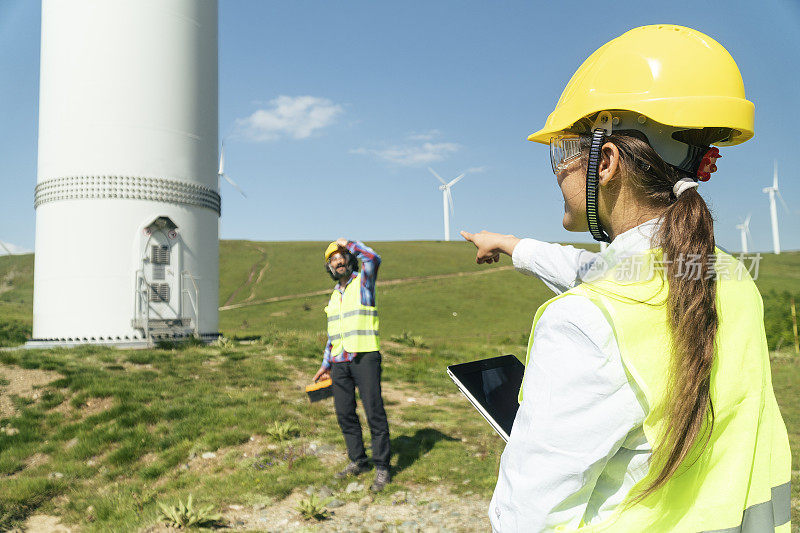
x=334, y=255
x=563, y=150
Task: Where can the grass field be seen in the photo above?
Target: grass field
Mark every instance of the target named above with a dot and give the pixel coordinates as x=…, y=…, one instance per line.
x=102, y=436
x=127, y=429
x=499, y=304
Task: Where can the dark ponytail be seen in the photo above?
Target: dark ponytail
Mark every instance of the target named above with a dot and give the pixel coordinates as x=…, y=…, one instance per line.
x=686, y=237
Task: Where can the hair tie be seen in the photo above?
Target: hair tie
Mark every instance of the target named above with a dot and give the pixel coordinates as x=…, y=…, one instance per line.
x=682, y=185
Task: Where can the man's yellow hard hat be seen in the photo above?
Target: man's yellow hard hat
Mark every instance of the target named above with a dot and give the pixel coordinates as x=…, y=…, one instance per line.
x=672, y=74
x=332, y=247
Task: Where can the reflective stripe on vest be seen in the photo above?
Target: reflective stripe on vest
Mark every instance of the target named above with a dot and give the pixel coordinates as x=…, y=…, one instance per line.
x=351, y=333
x=364, y=312
x=352, y=326
x=738, y=481
x=765, y=516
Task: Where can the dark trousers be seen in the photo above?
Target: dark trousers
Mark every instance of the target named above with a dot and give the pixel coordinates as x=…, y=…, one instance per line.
x=364, y=372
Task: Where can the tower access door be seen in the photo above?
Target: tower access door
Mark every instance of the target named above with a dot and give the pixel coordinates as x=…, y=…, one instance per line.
x=160, y=313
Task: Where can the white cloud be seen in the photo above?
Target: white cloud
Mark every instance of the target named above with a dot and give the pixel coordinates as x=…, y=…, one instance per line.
x=6, y=247
x=476, y=170
x=426, y=136
x=293, y=117
x=423, y=154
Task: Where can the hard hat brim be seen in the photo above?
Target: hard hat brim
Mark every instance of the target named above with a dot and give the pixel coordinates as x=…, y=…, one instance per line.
x=685, y=112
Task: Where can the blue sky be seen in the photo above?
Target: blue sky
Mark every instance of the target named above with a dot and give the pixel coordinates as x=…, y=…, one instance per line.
x=332, y=111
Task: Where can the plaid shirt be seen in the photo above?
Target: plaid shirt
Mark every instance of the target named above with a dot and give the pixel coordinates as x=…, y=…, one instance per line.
x=370, y=261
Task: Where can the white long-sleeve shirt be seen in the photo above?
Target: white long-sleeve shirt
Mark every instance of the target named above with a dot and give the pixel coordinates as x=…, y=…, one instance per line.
x=577, y=445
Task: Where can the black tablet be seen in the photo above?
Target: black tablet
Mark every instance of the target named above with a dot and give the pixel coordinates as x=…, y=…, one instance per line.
x=492, y=386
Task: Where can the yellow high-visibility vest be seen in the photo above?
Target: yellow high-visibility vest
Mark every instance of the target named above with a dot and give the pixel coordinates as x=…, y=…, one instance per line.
x=351, y=325
x=738, y=482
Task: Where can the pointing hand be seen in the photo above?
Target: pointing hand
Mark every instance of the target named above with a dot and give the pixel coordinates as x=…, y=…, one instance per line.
x=491, y=245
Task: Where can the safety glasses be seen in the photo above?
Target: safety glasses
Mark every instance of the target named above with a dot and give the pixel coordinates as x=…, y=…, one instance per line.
x=563, y=150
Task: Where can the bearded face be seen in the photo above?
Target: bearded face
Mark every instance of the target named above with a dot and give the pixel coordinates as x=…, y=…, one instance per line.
x=339, y=265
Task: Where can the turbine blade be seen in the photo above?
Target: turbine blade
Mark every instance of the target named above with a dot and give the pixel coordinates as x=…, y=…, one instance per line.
x=234, y=185
x=780, y=197
x=222, y=160
x=775, y=175
x=455, y=181
x=747, y=220
x=450, y=199
x=438, y=177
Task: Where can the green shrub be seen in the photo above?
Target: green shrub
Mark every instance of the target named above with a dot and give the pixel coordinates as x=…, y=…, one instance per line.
x=185, y=516
x=409, y=340
x=281, y=431
x=313, y=508
x=225, y=343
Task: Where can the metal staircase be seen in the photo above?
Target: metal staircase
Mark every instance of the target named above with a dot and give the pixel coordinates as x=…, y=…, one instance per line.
x=154, y=327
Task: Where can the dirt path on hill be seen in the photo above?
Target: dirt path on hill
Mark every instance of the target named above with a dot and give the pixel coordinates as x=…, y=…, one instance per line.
x=250, y=277
x=385, y=283
x=260, y=276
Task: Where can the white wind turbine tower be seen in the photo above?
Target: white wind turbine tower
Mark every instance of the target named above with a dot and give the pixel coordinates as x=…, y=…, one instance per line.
x=447, y=200
x=221, y=174
x=773, y=209
x=744, y=228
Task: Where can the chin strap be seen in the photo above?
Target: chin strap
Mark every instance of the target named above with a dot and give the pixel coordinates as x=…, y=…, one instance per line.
x=598, y=136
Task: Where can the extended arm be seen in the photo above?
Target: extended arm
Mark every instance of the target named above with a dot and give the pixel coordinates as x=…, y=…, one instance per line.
x=559, y=267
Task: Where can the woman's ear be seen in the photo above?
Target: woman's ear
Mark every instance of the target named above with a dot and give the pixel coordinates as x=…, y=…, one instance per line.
x=609, y=164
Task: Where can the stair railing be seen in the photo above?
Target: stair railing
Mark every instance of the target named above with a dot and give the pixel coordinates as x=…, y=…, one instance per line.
x=142, y=304
x=193, y=294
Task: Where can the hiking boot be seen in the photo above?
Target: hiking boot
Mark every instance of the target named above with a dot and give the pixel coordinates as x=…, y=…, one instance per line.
x=353, y=469
x=382, y=478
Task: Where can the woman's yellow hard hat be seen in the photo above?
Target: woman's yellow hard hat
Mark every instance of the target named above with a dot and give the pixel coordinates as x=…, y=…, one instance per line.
x=672, y=74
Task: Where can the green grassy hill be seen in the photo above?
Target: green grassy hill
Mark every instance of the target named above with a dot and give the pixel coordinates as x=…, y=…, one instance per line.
x=498, y=303
x=495, y=302
x=16, y=298
x=484, y=301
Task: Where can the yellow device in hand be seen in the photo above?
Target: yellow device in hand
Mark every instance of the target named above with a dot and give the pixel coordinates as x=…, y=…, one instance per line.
x=320, y=390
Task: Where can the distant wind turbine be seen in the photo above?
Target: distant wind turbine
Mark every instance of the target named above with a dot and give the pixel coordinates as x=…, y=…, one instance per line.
x=744, y=228
x=447, y=200
x=773, y=210
x=221, y=174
